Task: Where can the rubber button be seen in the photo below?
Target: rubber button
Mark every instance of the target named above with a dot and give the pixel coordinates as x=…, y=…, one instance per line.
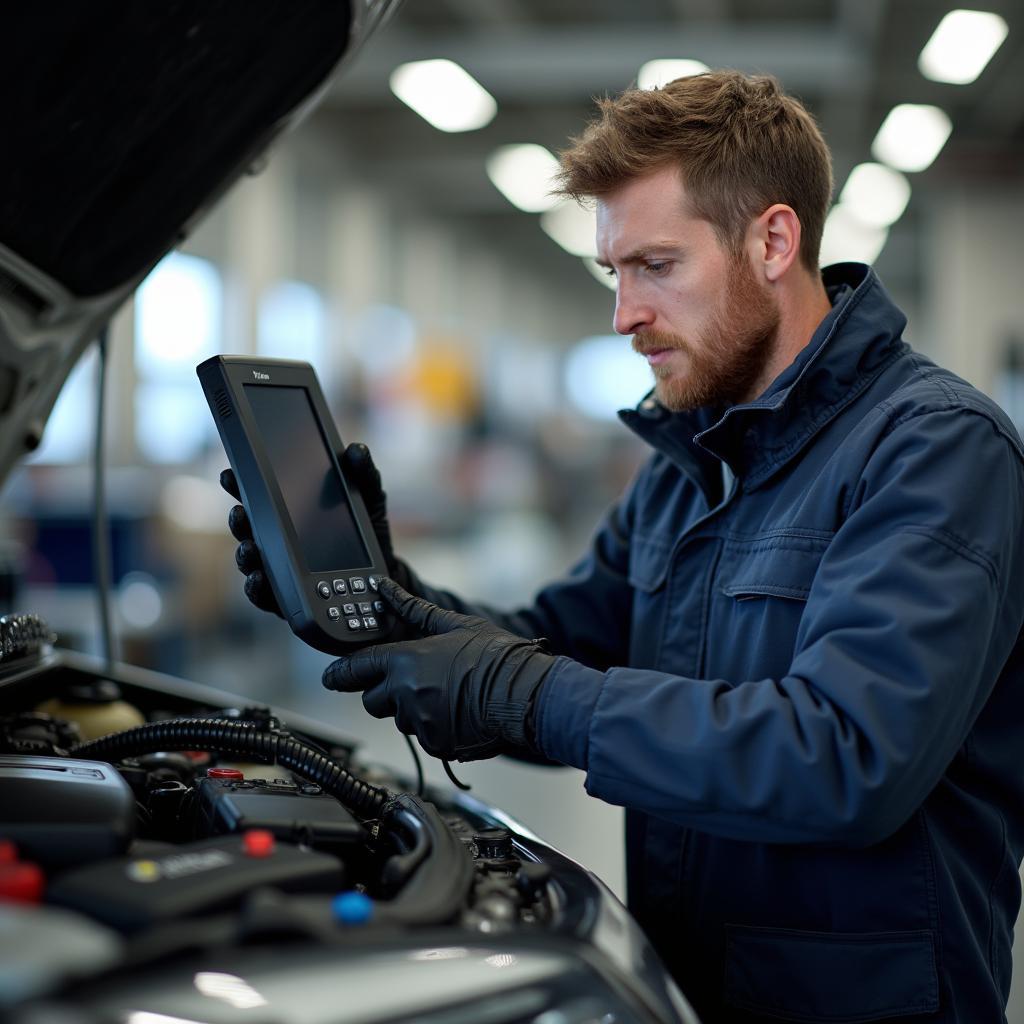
x=258, y=842
x=224, y=773
x=352, y=908
x=22, y=883
x=324, y=590
x=8, y=852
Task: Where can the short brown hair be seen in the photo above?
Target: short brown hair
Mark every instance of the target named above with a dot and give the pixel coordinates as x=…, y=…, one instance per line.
x=741, y=143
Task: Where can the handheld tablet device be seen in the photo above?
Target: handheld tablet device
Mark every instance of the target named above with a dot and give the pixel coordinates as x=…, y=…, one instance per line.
x=316, y=540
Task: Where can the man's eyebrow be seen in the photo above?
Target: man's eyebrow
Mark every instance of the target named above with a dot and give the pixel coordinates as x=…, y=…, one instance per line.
x=642, y=254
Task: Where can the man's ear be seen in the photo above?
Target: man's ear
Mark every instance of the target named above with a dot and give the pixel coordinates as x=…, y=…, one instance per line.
x=774, y=240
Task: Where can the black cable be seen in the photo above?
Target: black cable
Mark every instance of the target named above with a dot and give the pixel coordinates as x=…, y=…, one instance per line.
x=451, y=775
x=100, y=525
x=231, y=737
x=420, y=782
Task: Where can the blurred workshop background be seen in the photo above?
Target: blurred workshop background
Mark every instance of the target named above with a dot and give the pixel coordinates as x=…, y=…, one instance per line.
x=461, y=330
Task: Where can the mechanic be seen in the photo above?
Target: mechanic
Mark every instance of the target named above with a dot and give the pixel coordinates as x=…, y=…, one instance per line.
x=792, y=651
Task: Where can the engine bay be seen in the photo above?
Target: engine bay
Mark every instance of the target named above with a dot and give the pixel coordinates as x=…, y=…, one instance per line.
x=163, y=843
x=202, y=816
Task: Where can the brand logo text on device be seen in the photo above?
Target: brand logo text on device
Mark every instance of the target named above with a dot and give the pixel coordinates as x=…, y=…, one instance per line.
x=260, y=376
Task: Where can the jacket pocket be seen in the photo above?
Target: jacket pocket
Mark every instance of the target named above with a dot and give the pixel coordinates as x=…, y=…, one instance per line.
x=648, y=563
x=761, y=589
x=839, y=977
x=648, y=569
x=773, y=566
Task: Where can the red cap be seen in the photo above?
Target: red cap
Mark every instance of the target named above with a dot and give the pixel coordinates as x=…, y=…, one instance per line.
x=224, y=773
x=258, y=842
x=22, y=883
x=8, y=852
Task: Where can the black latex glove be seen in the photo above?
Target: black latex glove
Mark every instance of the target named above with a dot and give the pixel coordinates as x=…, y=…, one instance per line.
x=466, y=689
x=363, y=475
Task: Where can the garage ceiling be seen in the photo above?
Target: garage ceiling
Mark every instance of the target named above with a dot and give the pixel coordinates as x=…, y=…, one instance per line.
x=850, y=61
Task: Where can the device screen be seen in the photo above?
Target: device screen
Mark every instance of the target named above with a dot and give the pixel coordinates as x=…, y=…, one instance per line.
x=309, y=482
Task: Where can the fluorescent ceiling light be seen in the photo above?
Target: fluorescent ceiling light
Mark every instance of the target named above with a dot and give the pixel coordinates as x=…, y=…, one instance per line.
x=875, y=194
x=444, y=94
x=601, y=273
x=847, y=238
x=572, y=226
x=911, y=136
x=961, y=46
x=523, y=175
x=656, y=73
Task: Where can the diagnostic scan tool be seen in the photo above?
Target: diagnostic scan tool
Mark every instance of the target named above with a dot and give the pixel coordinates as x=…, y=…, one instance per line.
x=318, y=546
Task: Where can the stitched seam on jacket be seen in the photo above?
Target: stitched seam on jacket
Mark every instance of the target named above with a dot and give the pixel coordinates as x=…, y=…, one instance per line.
x=807, y=545
x=958, y=546
x=782, y=532
x=933, y=894
x=957, y=405
x=928, y=374
x=1000, y=868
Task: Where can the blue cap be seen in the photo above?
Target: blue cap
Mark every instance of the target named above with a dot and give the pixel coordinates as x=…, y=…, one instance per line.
x=352, y=908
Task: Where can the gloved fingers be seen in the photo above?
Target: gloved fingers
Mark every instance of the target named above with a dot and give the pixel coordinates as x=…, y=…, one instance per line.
x=238, y=523
x=360, y=670
x=377, y=701
x=359, y=464
x=257, y=590
x=422, y=614
x=230, y=484
x=247, y=556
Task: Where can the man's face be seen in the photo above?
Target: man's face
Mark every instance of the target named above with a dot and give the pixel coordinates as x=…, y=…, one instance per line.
x=707, y=326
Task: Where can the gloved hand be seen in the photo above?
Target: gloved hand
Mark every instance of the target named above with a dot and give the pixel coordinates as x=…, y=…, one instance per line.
x=360, y=472
x=466, y=688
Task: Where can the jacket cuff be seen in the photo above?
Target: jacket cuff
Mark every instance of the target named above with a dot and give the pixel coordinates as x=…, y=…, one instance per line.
x=565, y=706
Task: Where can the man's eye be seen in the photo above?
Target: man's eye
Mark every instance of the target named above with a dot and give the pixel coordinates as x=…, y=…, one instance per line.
x=608, y=271
x=657, y=266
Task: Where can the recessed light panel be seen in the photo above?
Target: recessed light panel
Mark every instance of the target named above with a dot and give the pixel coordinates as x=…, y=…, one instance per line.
x=961, y=46
x=573, y=227
x=876, y=194
x=524, y=175
x=656, y=73
x=911, y=136
x=444, y=94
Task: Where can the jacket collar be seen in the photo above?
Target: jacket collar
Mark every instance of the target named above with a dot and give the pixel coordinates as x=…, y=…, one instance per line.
x=859, y=337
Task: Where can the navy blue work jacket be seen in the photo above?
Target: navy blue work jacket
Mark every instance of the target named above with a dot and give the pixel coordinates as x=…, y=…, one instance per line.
x=804, y=682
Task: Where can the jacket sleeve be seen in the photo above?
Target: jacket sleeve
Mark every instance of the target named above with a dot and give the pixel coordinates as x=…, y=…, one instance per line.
x=585, y=615
x=911, y=617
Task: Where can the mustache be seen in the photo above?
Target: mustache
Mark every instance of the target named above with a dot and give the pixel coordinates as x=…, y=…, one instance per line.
x=645, y=342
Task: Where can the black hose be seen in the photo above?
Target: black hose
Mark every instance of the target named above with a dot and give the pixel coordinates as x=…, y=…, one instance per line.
x=241, y=738
x=100, y=520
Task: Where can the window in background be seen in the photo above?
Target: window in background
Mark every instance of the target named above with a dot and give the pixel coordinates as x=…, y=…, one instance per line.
x=69, y=430
x=178, y=319
x=292, y=323
x=603, y=374
x=522, y=379
x=384, y=340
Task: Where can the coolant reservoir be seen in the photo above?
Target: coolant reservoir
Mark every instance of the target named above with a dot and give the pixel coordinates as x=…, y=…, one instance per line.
x=96, y=708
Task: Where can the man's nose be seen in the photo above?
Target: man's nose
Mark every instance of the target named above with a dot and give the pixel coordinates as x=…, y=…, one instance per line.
x=631, y=313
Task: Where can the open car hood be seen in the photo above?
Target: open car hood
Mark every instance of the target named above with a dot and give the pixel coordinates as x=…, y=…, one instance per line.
x=124, y=123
